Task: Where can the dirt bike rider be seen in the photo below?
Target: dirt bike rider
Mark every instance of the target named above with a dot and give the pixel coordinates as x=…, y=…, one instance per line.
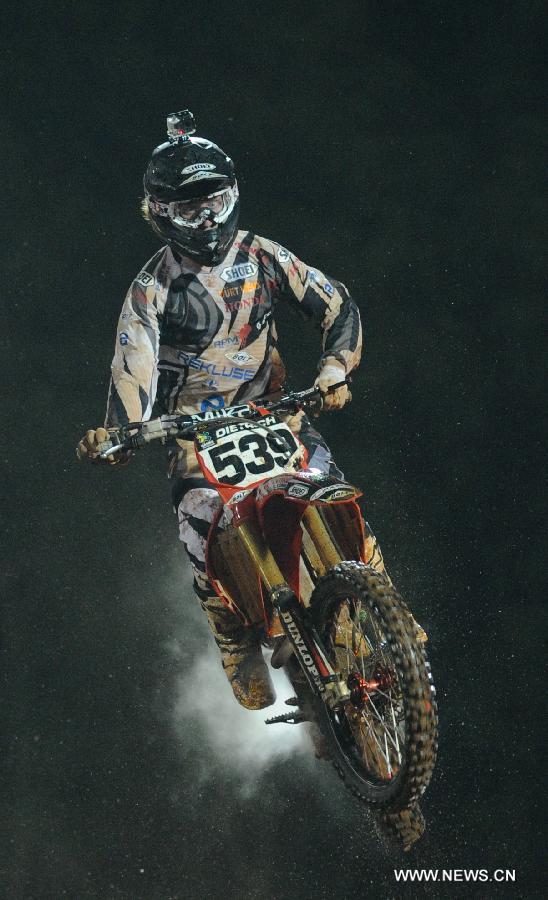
x=196, y=332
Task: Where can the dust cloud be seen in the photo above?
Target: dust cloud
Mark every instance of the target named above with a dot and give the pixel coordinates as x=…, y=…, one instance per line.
x=206, y=713
x=238, y=738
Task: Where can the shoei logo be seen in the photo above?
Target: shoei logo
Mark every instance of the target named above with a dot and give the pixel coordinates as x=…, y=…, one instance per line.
x=200, y=176
x=197, y=167
x=236, y=273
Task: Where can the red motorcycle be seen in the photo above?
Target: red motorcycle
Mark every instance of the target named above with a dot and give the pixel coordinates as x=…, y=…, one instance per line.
x=290, y=555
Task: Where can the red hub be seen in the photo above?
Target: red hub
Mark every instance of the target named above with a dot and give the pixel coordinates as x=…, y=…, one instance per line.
x=361, y=688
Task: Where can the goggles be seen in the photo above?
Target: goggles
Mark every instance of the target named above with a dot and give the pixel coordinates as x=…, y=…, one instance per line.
x=215, y=207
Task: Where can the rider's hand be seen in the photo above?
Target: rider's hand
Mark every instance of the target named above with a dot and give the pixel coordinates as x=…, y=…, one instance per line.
x=90, y=447
x=293, y=421
x=333, y=373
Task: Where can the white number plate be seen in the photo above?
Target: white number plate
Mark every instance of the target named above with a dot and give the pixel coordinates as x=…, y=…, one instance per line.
x=246, y=453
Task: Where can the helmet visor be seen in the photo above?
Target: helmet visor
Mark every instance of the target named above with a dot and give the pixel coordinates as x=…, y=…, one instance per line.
x=214, y=208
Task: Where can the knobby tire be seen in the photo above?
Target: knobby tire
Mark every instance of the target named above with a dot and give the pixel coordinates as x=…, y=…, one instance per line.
x=350, y=582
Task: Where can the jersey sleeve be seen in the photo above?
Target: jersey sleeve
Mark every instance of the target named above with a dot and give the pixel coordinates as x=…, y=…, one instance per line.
x=134, y=369
x=321, y=299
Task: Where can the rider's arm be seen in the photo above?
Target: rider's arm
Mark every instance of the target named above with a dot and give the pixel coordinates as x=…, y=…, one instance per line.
x=135, y=365
x=323, y=300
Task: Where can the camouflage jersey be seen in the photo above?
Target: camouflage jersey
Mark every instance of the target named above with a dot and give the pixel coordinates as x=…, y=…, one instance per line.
x=193, y=337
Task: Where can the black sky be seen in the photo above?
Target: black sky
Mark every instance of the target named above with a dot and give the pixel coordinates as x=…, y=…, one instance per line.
x=397, y=147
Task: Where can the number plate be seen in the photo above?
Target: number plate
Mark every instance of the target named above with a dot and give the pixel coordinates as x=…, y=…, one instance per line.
x=246, y=453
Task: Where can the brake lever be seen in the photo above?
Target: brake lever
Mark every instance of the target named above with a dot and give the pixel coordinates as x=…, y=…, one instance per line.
x=130, y=443
x=104, y=454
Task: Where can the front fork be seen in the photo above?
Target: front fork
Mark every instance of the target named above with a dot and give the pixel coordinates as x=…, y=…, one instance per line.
x=307, y=646
x=303, y=637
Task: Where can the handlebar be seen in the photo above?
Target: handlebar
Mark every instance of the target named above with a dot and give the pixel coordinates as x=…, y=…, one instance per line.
x=186, y=426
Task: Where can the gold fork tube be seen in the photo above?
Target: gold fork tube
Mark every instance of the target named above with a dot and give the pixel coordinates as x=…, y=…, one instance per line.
x=321, y=538
x=261, y=554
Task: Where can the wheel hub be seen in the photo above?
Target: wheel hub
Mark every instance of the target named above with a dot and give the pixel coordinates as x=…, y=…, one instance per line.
x=361, y=688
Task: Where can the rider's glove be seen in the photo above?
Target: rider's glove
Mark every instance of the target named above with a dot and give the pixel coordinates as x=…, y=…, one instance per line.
x=92, y=444
x=332, y=373
x=293, y=421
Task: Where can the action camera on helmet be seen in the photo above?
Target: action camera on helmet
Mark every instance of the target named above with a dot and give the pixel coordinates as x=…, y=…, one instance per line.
x=191, y=193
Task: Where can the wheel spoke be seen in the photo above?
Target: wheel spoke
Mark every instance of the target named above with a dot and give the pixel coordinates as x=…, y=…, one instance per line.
x=389, y=767
x=365, y=652
x=382, y=723
x=374, y=736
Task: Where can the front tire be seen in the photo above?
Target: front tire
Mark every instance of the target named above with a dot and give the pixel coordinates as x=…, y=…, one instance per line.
x=383, y=740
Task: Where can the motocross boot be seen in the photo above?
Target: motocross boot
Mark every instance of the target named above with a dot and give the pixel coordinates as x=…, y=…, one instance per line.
x=241, y=656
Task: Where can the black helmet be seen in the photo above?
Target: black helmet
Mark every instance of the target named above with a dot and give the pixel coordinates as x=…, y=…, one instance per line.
x=191, y=193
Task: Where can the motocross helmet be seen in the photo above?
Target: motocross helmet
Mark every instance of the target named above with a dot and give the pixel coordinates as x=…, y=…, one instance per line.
x=191, y=193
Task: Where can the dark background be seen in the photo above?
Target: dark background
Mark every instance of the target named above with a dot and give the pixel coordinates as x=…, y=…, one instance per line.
x=397, y=147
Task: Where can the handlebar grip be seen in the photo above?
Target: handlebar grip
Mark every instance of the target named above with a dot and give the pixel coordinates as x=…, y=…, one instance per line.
x=335, y=387
x=134, y=442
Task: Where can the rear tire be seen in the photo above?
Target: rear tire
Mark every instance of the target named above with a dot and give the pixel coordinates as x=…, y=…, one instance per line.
x=383, y=741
